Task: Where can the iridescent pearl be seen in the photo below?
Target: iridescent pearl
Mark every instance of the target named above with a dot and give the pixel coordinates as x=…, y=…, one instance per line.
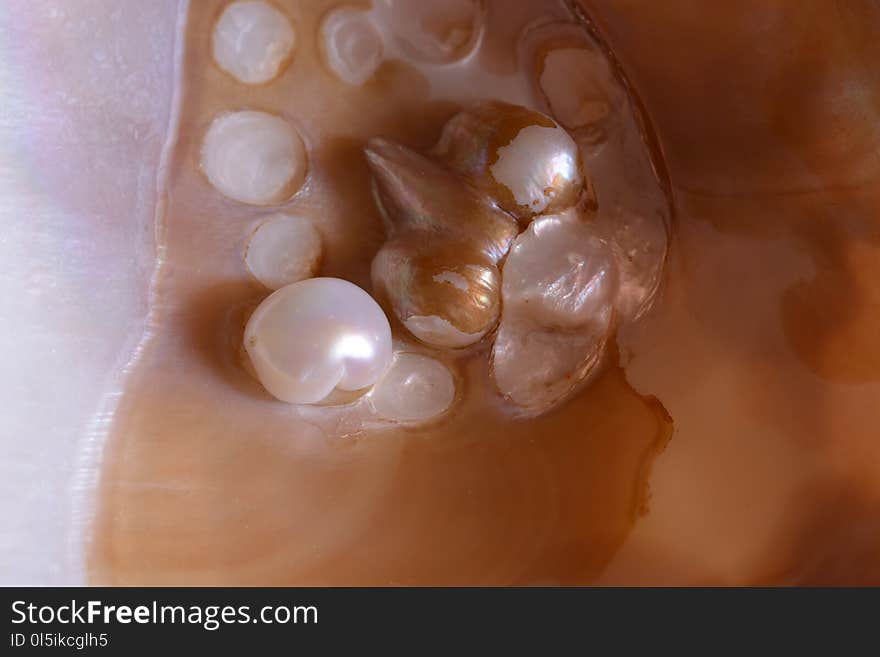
x=312, y=337
x=438, y=270
x=252, y=41
x=254, y=157
x=559, y=284
x=536, y=167
x=525, y=160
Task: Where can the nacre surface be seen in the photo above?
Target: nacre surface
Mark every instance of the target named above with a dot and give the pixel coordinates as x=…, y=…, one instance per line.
x=760, y=342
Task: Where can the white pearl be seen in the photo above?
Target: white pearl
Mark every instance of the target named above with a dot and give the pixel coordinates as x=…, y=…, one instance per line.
x=413, y=389
x=254, y=157
x=252, y=41
x=283, y=250
x=536, y=165
x=317, y=335
x=353, y=47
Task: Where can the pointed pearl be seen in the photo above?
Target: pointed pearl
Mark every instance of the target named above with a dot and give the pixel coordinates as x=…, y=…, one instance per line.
x=438, y=269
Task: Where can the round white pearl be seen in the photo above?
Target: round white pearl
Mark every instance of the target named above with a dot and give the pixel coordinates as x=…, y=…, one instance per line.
x=252, y=41
x=353, y=47
x=283, y=250
x=254, y=157
x=312, y=337
x=413, y=389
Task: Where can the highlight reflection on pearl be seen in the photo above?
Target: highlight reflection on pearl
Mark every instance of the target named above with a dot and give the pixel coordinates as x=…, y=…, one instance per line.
x=312, y=337
x=252, y=41
x=254, y=157
x=536, y=164
x=283, y=250
x=525, y=160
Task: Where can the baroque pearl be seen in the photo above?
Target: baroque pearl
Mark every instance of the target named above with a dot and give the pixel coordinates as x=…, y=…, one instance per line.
x=559, y=286
x=254, y=157
x=526, y=161
x=315, y=336
x=252, y=41
x=284, y=249
x=535, y=165
x=414, y=388
x=438, y=270
x=352, y=46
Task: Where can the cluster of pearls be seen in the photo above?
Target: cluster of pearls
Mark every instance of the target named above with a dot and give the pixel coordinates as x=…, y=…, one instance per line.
x=493, y=235
x=312, y=337
x=454, y=218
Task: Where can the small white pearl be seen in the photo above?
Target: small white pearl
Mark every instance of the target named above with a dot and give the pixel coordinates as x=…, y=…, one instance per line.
x=439, y=32
x=317, y=335
x=252, y=41
x=537, y=166
x=353, y=47
x=413, y=389
x=254, y=157
x=283, y=250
